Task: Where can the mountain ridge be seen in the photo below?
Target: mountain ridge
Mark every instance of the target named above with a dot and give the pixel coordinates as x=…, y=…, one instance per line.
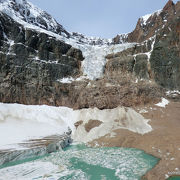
x=22, y=10
x=26, y=11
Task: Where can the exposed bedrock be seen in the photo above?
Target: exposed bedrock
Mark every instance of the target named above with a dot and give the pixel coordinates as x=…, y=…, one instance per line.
x=165, y=59
x=31, y=63
x=157, y=56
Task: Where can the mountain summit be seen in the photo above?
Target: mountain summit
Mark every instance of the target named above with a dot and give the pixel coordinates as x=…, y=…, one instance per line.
x=23, y=11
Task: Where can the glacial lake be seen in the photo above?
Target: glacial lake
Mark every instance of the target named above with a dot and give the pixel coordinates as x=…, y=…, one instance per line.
x=174, y=178
x=79, y=162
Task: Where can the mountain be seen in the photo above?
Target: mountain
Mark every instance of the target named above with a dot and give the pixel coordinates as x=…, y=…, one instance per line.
x=42, y=63
x=27, y=14
x=148, y=25
x=122, y=92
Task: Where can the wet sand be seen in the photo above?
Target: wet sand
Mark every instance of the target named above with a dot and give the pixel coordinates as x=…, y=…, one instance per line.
x=163, y=142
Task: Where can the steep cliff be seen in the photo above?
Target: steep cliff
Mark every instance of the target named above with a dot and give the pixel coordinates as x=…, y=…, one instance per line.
x=31, y=62
x=159, y=60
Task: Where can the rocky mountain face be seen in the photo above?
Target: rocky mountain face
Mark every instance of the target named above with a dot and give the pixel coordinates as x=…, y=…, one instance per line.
x=31, y=62
x=148, y=25
x=164, y=63
x=35, y=55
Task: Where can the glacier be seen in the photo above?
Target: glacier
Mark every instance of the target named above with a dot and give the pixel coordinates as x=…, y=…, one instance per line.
x=20, y=123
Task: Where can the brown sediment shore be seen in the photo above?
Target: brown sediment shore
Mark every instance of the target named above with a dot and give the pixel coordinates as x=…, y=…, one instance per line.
x=163, y=142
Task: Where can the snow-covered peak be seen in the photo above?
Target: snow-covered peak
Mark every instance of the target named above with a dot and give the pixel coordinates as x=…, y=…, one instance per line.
x=144, y=19
x=22, y=10
x=27, y=14
x=90, y=40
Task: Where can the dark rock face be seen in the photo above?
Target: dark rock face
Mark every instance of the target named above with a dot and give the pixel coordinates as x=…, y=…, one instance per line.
x=163, y=67
x=31, y=63
x=141, y=66
x=165, y=59
x=165, y=64
x=120, y=64
x=133, y=60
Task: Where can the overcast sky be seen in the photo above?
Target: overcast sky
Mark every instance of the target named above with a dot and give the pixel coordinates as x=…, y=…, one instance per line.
x=103, y=18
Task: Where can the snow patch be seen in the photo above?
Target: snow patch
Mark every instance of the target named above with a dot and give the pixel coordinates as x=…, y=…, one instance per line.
x=164, y=102
x=153, y=40
x=144, y=19
x=143, y=111
x=173, y=93
x=66, y=80
x=152, y=47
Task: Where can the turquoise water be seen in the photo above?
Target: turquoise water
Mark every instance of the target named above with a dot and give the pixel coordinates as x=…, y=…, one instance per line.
x=174, y=178
x=79, y=162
